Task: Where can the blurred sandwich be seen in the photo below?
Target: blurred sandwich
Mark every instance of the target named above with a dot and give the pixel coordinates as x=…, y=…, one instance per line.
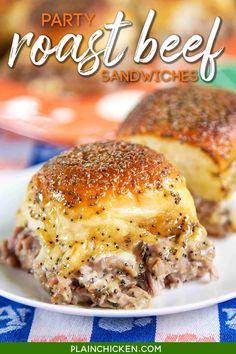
x=62, y=78
x=195, y=127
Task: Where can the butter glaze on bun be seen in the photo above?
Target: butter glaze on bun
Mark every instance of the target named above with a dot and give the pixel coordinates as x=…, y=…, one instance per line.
x=110, y=224
x=86, y=175
x=195, y=127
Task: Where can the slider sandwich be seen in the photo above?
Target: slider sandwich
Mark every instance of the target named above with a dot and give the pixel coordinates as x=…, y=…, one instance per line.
x=195, y=127
x=109, y=224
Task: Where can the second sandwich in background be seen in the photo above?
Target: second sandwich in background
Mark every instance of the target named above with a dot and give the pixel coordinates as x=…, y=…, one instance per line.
x=195, y=127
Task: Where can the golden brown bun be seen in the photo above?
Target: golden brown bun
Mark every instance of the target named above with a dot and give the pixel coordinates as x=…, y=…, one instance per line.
x=196, y=115
x=89, y=173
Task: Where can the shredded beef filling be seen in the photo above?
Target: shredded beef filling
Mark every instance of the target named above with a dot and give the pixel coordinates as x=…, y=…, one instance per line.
x=111, y=282
x=216, y=220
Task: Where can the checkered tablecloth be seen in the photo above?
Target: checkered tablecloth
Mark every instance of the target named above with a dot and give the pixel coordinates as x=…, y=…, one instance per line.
x=23, y=323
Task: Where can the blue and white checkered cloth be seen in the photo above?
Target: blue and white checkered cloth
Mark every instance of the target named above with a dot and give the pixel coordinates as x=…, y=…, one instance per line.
x=20, y=323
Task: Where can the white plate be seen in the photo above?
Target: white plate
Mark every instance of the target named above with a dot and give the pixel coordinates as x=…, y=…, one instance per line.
x=21, y=287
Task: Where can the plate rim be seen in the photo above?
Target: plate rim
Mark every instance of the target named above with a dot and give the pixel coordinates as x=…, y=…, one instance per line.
x=103, y=312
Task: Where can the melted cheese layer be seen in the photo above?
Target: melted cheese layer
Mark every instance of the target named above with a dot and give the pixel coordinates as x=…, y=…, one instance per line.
x=70, y=237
